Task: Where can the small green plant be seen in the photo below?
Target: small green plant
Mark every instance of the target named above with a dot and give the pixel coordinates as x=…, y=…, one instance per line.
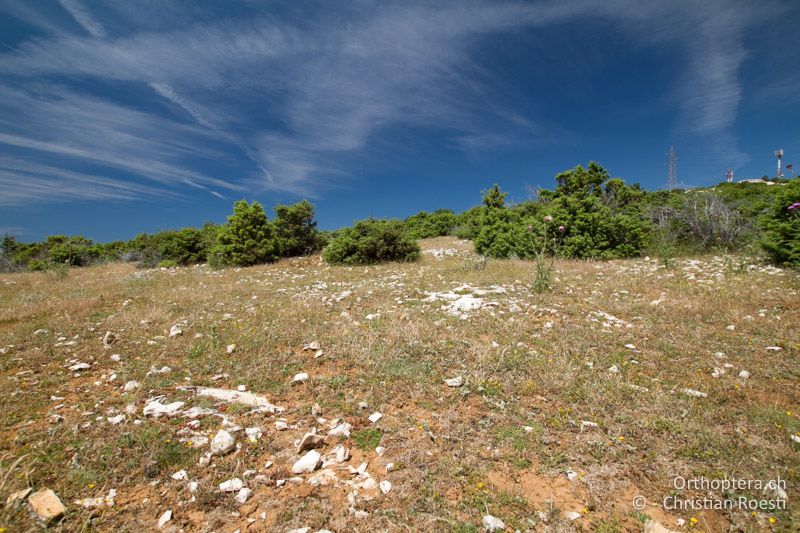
x=367, y=439
x=543, y=273
x=543, y=262
x=56, y=270
x=214, y=338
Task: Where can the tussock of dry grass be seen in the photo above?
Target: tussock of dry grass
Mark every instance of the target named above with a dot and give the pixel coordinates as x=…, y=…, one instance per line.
x=534, y=367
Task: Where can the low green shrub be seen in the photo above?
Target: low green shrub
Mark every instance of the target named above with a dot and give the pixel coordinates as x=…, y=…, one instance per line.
x=371, y=241
x=781, y=226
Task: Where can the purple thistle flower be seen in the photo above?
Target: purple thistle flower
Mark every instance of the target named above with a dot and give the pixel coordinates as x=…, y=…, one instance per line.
x=562, y=229
x=794, y=206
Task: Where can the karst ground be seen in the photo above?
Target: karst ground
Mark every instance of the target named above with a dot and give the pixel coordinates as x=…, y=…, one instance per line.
x=572, y=402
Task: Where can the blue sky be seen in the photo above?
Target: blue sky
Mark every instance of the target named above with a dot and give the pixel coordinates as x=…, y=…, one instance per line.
x=123, y=116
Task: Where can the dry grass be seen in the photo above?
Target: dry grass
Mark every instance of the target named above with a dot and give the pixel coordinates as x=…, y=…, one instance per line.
x=501, y=443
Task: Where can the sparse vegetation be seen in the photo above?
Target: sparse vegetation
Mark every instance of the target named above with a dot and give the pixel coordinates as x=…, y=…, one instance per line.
x=540, y=427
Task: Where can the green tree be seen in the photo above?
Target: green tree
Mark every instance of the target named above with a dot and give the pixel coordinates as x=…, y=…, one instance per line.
x=494, y=198
x=296, y=229
x=247, y=239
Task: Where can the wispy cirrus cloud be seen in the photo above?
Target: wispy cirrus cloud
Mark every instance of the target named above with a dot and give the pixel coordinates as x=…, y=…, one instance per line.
x=84, y=18
x=290, y=96
x=25, y=182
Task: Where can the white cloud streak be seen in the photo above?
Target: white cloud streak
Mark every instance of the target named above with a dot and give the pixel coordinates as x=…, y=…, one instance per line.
x=84, y=18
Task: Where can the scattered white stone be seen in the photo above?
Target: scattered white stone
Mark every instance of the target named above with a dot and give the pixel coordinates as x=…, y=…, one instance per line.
x=613, y=369
x=572, y=475
x=323, y=478
x=587, y=424
x=197, y=412
x=454, y=382
x=131, y=386
x=717, y=372
x=385, y=486
x=175, y=330
x=115, y=357
x=18, y=496
x=308, y=463
x=231, y=485
x=310, y=441
x=281, y=425
x=338, y=455
x=156, y=409
x=162, y=370
x=773, y=348
x=744, y=374
x=193, y=486
x=299, y=378
x=341, y=430
x=243, y=495
x=108, y=339
x=312, y=346
x=180, y=475
x=773, y=488
x=80, y=366
x=230, y=348
x=651, y=526
x=379, y=450
x=166, y=517
x=235, y=396
x=491, y=523
x=374, y=417
x=222, y=443
x=241, y=388
x=630, y=346
x=115, y=420
x=93, y=503
x=253, y=434
x=694, y=393
x=795, y=438
x=572, y=515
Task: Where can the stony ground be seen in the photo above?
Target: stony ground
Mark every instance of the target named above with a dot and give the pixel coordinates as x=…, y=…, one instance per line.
x=422, y=397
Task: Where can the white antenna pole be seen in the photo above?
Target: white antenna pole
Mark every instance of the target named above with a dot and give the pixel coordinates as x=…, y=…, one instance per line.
x=779, y=155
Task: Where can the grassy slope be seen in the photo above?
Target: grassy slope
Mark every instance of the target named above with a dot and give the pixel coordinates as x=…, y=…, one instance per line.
x=458, y=452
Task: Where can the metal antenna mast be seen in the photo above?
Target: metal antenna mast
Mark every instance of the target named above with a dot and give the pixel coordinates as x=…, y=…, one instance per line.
x=672, y=180
x=779, y=155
